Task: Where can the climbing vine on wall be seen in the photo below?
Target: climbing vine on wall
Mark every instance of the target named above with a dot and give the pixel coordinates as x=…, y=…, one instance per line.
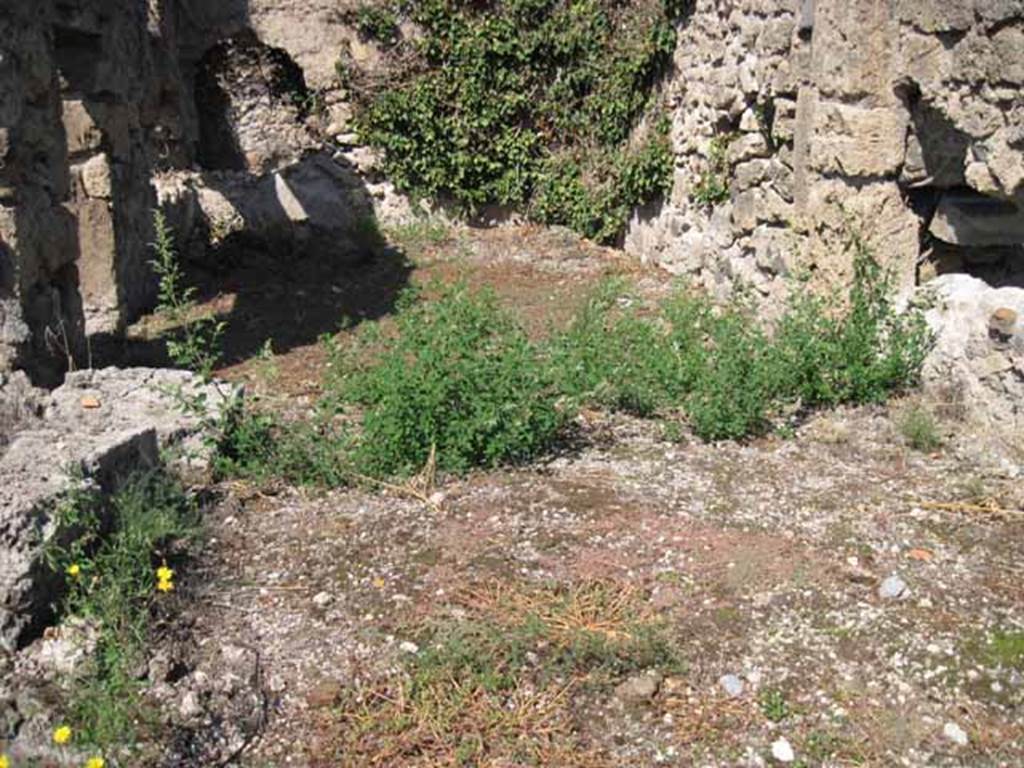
x=527, y=103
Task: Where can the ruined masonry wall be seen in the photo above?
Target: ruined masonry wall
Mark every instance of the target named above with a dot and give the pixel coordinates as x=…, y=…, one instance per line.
x=904, y=116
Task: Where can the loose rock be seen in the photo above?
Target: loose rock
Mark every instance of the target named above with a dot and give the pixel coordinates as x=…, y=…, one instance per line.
x=783, y=751
x=640, y=688
x=732, y=685
x=955, y=734
x=893, y=588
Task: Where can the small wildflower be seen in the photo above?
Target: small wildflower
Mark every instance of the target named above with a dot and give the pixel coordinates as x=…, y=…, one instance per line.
x=73, y=570
x=5, y=761
x=92, y=762
x=62, y=734
x=164, y=578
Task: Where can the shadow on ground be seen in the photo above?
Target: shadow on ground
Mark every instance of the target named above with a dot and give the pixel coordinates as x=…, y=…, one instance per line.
x=287, y=302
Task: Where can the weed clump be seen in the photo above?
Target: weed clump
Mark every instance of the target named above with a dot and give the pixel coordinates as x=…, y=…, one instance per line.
x=919, y=429
x=726, y=373
x=194, y=343
x=458, y=379
x=376, y=22
x=860, y=353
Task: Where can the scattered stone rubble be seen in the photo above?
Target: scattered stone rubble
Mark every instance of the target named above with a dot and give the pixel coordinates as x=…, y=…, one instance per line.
x=977, y=364
x=103, y=424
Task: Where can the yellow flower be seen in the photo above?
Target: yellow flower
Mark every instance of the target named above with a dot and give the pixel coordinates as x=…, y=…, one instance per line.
x=92, y=762
x=165, y=585
x=62, y=734
x=163, y=573
x=5, y=762
x=73, y=570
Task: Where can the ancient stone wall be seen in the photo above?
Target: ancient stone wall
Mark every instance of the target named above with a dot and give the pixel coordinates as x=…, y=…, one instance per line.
x=793, y=120
x=902, y=118
x=222, y=112
x=38, y=285
x=91, y=104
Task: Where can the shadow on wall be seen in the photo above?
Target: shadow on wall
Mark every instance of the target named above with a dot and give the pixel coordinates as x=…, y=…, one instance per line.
x=41, y=312
x=277, y=277
x=963, y=230
x=283, y=249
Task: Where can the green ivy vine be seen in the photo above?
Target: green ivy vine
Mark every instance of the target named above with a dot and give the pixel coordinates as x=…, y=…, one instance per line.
x=533, y=104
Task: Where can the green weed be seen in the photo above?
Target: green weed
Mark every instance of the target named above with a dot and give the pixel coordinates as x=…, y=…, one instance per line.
x=853, y=350
x=376, y=22
x=773, y=705
x=713, y=186
x=1006, y=649
x=724, y=371
x=194, y=341
x=416, y=236
x=458, y=377
x=919, y=429
x=612, y=356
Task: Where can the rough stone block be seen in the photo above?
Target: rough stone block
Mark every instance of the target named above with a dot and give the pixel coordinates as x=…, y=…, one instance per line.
x=857, y=141
x=97, y=266
x=134, y=419
x=936, y=15
x=83, y=134
x=96, y=177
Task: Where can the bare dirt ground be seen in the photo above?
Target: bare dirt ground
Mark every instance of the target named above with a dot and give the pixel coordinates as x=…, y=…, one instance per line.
x=769, y=562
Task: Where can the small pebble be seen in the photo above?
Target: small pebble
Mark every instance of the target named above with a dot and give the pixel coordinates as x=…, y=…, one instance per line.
x=732, y=685
x=782, y=751
x=639, y=688
x=322, y=599
x=955, y=733
x=893, y=588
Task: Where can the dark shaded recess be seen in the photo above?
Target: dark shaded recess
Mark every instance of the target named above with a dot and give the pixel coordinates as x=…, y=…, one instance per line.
x=244, y=69
x=77, y=53
x=291, y=291
x=944, y=149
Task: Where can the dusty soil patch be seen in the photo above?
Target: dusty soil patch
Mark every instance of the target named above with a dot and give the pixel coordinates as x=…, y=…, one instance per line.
x=762, y=561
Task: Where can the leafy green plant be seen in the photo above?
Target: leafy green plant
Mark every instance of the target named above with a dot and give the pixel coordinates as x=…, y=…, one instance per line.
x=734, y=386
x=713, y=186
x=854, y=350
x=919, y=429
x=194, y=341
x=109, y=552
x=256, y=446
x=773, y=705
x=458, y=377
x=376, y=22
x=614, y=356
x=528, y=103
x=725, y=371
